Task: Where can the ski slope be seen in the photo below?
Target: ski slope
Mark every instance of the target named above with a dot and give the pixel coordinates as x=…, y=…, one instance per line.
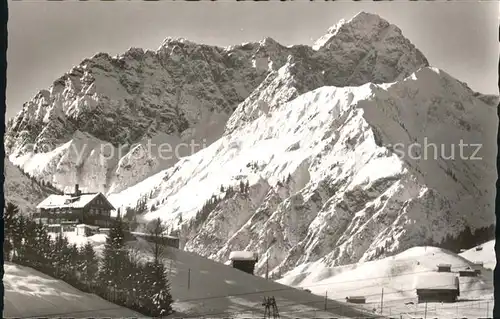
x=486, y=255
x=31, y=294
x=396, y=276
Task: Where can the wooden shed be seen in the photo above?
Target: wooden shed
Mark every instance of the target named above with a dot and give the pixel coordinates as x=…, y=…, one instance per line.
x=444, y=268
x=467, y=273
x=442, y=287
x=244, y=260
x=355, y=299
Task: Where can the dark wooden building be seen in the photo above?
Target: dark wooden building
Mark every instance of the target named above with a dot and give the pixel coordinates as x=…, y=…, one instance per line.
x=77, y=207
x=444, y=268
x=438, y=287
x=467, y=273
x=355, y=299
x=244, y=261
x=164, y=240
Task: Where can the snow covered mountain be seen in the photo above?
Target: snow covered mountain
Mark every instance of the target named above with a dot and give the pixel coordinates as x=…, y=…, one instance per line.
x=328, y=177
x=108, y=107
x=341, y=152
x=21, y=190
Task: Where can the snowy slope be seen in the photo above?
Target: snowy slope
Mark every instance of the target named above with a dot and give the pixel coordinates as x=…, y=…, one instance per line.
x=181, y=93
x=21, y=190
x=486, y=255
x=323, y=136
x=397, y=276
x=216, y=290
x=31, y=294
x=351, y=195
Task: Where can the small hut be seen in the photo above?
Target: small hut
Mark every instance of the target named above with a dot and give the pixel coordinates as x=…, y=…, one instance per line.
x=444, y=268
x=244, y=260
x=467, y=272
x=86, y=230
x=355, y=299
x=443, y=287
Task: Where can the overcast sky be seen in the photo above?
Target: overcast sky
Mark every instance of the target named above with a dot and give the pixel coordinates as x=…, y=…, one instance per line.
x=47, y=38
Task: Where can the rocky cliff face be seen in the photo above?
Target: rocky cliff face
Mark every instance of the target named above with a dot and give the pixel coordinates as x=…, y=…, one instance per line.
x=345, y=174
x=341, y=151
x=21, y=190
x=97, y=118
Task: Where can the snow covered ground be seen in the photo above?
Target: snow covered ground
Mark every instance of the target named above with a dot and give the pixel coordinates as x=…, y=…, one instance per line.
x=396, y=276
x=31, y=294
x=97, y=240
x=204, y=287
x=486, y=255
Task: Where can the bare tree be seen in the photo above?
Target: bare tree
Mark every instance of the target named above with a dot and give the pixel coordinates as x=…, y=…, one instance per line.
x=156, y=231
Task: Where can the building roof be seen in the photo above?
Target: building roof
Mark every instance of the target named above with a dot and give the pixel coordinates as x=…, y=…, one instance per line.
x=242, y=255
x=437, y=281
x=87, y=226
x=444, y=265
x=69, y=201
x=146, y=234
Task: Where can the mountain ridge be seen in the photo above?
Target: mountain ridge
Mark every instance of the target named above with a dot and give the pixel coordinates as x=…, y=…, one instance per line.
x=312, y=130
x=325, y=181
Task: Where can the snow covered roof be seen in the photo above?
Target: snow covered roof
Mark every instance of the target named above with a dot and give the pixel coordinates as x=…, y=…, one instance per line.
x=437, y=281
x=88, y=226
x=69, y=201
x=146, y=234
x=243, y=255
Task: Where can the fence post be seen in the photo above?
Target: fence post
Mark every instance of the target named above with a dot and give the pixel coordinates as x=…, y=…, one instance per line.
x=189, y=278
x=326, y=299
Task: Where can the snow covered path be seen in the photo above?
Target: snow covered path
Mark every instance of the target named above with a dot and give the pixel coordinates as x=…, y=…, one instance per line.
x=31, y=294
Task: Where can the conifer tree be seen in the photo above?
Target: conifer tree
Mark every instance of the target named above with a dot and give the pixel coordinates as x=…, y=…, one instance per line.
x=89, y=264
x=60, y=258
x=156, y=229
x=114, y=254
x=10, y=214
x=18, y=231
x=159, y=298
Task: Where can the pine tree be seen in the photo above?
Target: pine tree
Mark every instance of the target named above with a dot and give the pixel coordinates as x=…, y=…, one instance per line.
x=59, y=255
x=10, y=214
x=18, y=231
x=247, y=187
x=222, y=188
x=114, y=255
x=159, y=298
x=28, y=254
x=89, y=264
x=242, y=187
x=133, y=278
x=43, y=246
x=156, y=230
